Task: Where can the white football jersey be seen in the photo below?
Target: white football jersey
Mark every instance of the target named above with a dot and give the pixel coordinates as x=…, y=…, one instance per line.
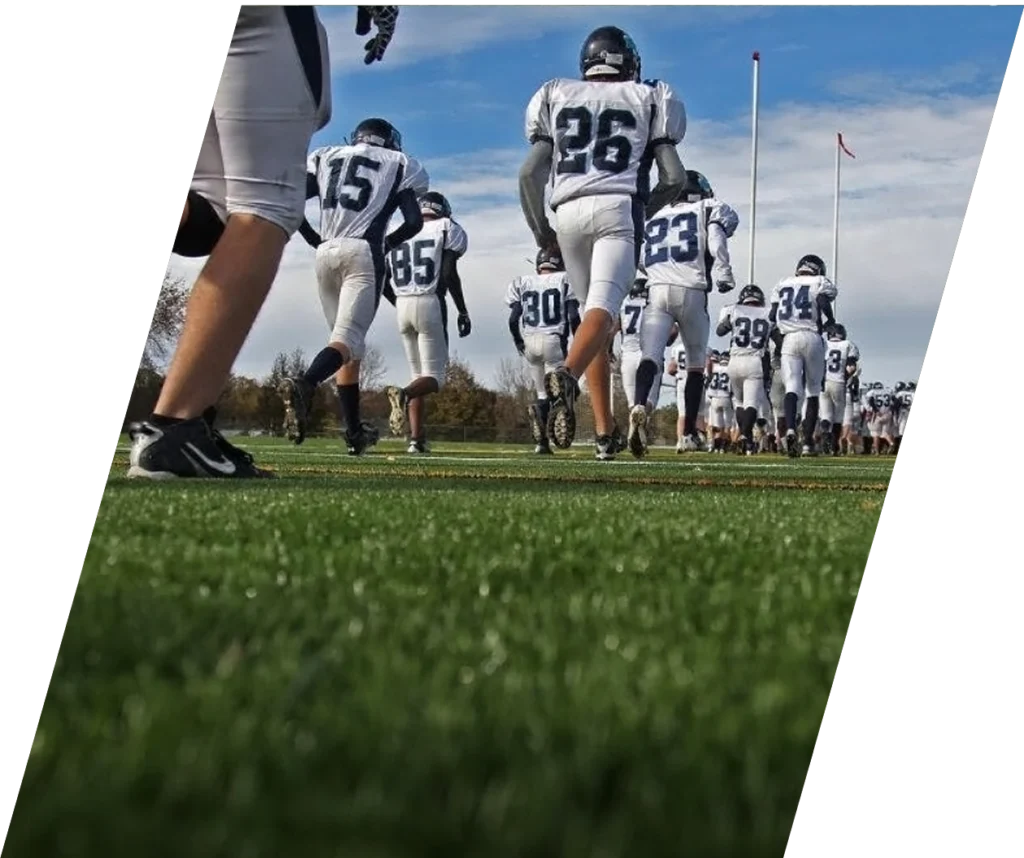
x=837, y=355
x=544, y=298
x=358, y=186
x=719, y=385
x=751, y=330
x=631, y=318
x=602, y=133
x=797, y=298
x=415, y=266
x=880, y=400
x=905, y=398
x=676, y=243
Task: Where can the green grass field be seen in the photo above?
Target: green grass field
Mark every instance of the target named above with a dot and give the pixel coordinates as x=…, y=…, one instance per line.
x=476, y=653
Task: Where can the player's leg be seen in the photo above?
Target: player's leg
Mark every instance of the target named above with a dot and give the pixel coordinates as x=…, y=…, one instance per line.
x=694, y=330
x=358, y=301
x=680, y=407
x=433, y=349
x=657, y=322
x=537, y=413
x=793, y=380
x=405, y=312
x=602, y=237
x=628, y=364
x=251, y=178
x=813, y=350
x=332, y=265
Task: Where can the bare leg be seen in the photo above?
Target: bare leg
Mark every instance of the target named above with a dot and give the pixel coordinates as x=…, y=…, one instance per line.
x=221, y=310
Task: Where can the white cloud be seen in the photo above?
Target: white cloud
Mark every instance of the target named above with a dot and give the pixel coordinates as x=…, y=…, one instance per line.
x=440, y=32
x=904, y=202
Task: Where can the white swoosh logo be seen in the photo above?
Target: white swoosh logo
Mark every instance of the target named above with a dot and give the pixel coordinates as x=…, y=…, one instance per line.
x=221, y=467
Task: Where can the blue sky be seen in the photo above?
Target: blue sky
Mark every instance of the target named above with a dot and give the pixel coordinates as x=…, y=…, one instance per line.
x=913, y=90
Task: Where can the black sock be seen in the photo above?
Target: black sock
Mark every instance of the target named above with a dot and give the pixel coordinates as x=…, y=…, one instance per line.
x=544, y=408
x=811, y=423
x=789, y=406
x=348, y=396
x=692, y=393
x=645, y=380
x=324, y=365
x=837, y=434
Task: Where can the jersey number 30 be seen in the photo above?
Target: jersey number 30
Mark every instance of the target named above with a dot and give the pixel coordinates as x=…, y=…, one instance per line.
x=543, y=306
x=574, y=131
x=344, y=176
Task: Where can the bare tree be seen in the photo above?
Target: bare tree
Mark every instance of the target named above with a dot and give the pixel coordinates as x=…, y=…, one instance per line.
x=168, y=318
x=372, y=369
x=514, y=380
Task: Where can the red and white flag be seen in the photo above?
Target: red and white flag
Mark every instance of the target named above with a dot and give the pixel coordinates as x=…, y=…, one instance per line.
x=842, y=145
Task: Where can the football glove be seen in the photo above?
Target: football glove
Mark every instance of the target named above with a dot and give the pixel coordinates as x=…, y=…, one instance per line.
x=725, y=286
x=521, y=347
x=464, y=325
x=385, y=18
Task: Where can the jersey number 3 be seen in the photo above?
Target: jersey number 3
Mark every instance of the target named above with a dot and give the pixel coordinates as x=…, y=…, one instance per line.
x=574, y=130
x=343, y=176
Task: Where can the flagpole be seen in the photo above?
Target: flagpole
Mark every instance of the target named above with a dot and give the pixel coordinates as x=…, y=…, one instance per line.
x=835, y=218
x=753, y=163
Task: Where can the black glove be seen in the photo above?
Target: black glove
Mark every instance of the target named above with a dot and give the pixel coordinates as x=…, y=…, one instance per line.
x=385, y=18
x=724, y=286
x=464, y=325
x=521, y=347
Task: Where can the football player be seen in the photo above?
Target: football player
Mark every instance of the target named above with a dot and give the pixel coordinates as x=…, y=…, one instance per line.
x=879, y=403
x=677, y=369
x=594, y=141
x=245, y=201
x=543, y=313
x=421, y=273
x=904, y=398
x=751, y=330
x=721, y=417
x=841, y=357
x=853, y=423
x=686, y=255
x=360, y=186
x=801, y=308
x=629, y=326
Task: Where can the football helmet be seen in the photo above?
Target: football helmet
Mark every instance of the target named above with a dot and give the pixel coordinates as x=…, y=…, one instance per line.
x=377, y=132
x=752, y=294
x=901, y=386
x=812, y=265
x=609, y=51
x=436, y=204
x=911, y=385
x=697, y=187
x=837, y=334
x=549, y=259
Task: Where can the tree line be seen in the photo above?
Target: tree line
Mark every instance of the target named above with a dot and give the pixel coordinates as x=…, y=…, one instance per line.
x=464, y=410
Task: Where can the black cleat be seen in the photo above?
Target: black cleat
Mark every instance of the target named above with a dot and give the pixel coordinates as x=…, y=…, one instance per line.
x=297, y=395
x=562, y=390
x=359, y=442
x=191, y=448
x=607, y=447
x=792, y=445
